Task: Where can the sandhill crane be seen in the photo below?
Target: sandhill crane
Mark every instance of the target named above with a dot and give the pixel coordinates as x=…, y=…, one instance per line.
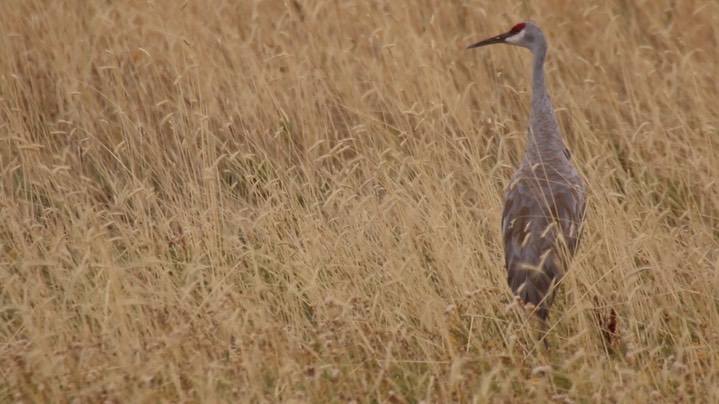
x=544, y=203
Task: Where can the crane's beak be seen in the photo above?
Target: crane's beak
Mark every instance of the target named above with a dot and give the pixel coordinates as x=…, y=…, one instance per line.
x=502, y=38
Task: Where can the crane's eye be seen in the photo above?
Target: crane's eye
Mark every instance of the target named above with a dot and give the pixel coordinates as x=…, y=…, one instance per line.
x=515, y=29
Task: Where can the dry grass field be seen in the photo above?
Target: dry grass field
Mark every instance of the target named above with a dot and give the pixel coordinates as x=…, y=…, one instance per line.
x=275, y=201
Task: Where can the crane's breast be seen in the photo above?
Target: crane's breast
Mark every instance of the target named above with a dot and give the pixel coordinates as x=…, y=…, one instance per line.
x=539, y=217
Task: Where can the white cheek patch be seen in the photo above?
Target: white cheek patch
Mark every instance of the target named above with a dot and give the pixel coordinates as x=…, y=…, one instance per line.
x=517, y=38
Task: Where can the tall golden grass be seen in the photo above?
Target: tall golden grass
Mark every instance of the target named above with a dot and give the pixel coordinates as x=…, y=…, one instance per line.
x=290, y=200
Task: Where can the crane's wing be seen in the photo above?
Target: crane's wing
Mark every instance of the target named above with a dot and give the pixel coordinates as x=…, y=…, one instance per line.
x=541, y=229
x=568, y=210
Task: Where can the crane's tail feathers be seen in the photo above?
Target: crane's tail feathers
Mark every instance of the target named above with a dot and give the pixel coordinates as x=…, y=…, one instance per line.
x=537, y=293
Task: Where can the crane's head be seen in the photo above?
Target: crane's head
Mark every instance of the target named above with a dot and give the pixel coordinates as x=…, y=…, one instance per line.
x=524, y=34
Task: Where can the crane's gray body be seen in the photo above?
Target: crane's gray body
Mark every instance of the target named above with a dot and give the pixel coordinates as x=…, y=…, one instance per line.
x=544, y=205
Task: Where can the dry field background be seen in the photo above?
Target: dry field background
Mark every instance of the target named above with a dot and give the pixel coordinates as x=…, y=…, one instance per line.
x=278, y=200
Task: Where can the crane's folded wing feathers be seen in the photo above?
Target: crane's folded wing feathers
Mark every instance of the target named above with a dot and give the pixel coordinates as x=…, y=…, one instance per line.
x=535, y=252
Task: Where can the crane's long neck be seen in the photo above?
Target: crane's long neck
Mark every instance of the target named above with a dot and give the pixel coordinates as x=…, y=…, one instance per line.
x=545, y=140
